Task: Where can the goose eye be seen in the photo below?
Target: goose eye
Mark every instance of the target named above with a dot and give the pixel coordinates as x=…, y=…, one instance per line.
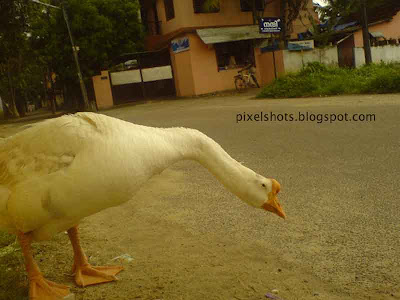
x=263, y=185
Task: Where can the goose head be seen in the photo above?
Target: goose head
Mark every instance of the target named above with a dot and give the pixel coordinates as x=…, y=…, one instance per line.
x=263, y=194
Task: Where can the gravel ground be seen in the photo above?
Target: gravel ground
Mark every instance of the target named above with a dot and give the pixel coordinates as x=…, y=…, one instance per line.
x=191, y=239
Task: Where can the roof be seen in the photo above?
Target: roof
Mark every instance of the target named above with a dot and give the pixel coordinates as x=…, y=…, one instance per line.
x=376, y=13
x=377, y=34
x=229, y=34
x=212, y=35
x=344, y=26
x=341, y=35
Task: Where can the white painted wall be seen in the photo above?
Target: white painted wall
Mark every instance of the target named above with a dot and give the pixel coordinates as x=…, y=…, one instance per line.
x=295, y=60
x=389, y=53
x=359, y=57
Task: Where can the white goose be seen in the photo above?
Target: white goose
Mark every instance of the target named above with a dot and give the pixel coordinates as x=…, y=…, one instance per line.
x=60, y=171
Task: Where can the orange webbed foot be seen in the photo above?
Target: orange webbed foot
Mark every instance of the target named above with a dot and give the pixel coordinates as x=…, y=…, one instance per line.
x=85, y=274
x=89, y=275
x=42, y=289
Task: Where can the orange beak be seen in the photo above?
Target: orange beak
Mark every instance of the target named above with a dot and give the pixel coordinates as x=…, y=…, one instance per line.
x=273, y=204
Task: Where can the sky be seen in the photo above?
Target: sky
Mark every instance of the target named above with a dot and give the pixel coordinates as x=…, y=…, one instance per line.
x=322, y=2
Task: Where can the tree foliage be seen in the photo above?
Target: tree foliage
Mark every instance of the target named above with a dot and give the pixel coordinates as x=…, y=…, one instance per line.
x=34, y=40
x=102, y=30
x=293, y=10
x=18, y=68
x=338, y=12
x=343, y=8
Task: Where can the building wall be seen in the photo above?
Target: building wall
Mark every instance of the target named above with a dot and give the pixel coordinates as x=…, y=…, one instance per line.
x=388, y=53
x=302, y=23
x=183, y=74
x=207, y=78
x=102, y=90
x=389, y=29
x=359, y=57
x=295, y=60
x=265, y=66
x=196, y=70
x=229, y=15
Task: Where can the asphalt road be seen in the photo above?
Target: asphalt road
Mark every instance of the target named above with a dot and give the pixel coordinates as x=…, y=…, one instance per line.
x=340, y=182
x=340, y=187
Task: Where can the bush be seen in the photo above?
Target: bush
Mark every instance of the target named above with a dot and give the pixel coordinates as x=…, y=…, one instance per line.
x=316, y=79
x=382, y=80
x=312, y=68
x=291, y=86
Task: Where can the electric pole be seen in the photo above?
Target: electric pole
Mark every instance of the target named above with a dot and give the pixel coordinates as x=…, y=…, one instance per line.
x=366, y=37
x=87, y=106
x=283, y=7
x=78, y=68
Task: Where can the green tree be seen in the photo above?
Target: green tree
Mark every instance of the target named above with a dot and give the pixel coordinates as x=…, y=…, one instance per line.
x=18, y=68
x=34, y=40
x=345, y=11
x=344, y=8
x=102, y=30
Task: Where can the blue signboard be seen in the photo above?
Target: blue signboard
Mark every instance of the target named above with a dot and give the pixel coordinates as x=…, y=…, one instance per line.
x=270, y=25
x=180, y=45
x=301, y=45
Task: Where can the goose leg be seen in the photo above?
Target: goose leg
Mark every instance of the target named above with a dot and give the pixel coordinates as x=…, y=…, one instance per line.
x=85, y=274
x=39, y=288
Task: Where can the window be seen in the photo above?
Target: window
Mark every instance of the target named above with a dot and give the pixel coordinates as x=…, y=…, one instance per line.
x=234, y=54
x=151, y=21
x=169, y=9
x=201, y=6
x=245, y=5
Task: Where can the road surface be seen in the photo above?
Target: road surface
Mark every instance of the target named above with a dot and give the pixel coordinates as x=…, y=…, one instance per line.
x=191, y=239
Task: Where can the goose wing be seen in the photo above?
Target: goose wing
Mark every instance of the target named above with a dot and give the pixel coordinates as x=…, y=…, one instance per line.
x=29, y=163
x=49, y=171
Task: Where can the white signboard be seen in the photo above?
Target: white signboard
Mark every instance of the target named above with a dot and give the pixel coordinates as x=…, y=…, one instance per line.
x=126, y=77
x=158, y=73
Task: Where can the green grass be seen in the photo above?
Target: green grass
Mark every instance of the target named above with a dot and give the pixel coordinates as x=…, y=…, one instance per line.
x=317, y=79
x=13, y=281
x=6, y=239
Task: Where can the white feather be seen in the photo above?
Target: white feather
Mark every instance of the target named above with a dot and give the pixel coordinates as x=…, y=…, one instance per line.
x=59, y=171
x=4, y=195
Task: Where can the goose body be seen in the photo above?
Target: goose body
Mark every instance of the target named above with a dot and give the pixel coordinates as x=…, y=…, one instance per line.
x=62, y=170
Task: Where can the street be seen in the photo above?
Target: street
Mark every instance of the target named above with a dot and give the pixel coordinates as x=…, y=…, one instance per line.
x=191, y=239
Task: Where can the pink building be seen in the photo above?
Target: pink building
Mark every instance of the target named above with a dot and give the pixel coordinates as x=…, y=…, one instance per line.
x=216, y=43
x=389, y=28
x=384, y=28
x=201, y=50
